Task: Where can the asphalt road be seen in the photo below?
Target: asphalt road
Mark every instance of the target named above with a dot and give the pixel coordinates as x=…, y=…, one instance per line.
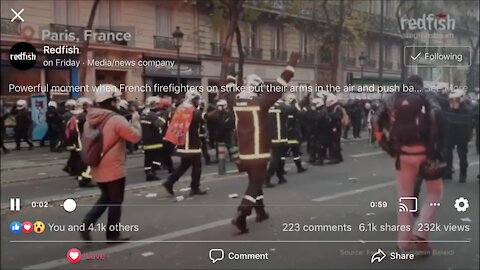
x=180, y=235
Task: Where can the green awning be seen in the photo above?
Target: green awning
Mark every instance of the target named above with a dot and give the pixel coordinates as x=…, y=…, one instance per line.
x=375, y=80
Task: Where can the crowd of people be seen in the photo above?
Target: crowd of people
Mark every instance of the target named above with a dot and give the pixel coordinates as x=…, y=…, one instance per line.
x=257, y=130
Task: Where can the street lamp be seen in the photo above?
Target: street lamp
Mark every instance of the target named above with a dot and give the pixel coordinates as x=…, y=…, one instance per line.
x=178, y=39
x=362, y=59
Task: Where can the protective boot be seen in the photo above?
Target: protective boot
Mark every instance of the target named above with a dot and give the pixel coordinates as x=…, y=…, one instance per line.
x=244, y=210
x=463, y=175
x=260, y=210
x=150, y=176
x=300, y=168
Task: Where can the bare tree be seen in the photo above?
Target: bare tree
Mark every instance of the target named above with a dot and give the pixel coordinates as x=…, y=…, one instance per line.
x=86, y=43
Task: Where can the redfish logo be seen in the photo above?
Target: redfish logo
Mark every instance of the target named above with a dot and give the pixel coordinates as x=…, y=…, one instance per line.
x=429, y=22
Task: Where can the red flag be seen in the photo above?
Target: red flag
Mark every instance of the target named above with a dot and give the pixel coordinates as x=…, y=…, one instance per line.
x=179, y=125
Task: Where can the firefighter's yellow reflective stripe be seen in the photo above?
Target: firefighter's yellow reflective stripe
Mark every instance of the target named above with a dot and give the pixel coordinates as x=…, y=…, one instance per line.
x=256, y=126
x=290, y=116
x=204, y=115
x=296, y=158
x=246, y=108
x=187, y=140
x=260, y=197
x=145, y=122
x=274, y=111
x=163, y=120
x=249, y=198
x=293, y=142
x=255, y=156
x=279, y=128
x=189, y=151
x=279, y=141
x=152, y=146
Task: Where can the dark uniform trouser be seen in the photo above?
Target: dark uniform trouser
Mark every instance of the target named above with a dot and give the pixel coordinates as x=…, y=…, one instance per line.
x=22, y=136
x=166, y=153
x=356, y=125
x=275, y=166
x=334, y=146
x=462, y=150
x=152, y=160
x=75, y=163
x=205, y=154
x=253, y=197
x=295, y=147
x=185, y=162
x=321, y=146
x=112, y=197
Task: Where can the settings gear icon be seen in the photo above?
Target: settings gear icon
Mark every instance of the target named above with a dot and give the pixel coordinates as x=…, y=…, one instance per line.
x=461, y=204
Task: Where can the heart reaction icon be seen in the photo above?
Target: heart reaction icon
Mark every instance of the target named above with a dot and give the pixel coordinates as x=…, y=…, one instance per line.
x=74, y=255
x=27, y=227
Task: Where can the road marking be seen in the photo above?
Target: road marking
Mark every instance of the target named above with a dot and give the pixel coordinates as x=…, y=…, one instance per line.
x=353, y=192
x=367, y=154
x=145, y=242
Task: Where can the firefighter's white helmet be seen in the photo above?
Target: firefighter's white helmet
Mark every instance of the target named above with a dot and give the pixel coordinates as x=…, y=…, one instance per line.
x=123, y=104
x=84, y=100
x=192, y=95
x=21, y=104
x=318, y=102
x=222, y=102
x=331, y=99
x=252, y=82
x=151, y=102
x=52, y=104
x=457, y=93
x=70, y=103
x=289, y=97
x=106, y=91
x=368, y=106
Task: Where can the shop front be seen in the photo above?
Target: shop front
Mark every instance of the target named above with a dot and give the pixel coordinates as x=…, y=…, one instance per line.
x=163, y=72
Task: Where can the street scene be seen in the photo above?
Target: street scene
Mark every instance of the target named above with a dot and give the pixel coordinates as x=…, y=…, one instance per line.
x=239, y=134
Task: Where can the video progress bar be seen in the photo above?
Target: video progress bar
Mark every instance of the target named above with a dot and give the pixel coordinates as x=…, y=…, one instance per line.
x=237, y=241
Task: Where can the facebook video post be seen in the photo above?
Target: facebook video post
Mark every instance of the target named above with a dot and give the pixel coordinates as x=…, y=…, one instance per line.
x=239, y=134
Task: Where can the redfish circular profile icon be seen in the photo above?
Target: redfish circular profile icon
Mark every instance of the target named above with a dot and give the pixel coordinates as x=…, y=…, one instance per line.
x=23, y=56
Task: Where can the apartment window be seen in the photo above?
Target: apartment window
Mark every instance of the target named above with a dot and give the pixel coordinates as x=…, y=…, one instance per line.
x=5, y=8
x=304, y=43
x=65, y=12
x=102, y=18
x=278, y=38
x=387, y=53
x=164, y=21
x=253, y=34
x=371, y=6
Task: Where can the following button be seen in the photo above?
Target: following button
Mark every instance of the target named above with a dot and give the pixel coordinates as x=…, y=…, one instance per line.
x=437, y=56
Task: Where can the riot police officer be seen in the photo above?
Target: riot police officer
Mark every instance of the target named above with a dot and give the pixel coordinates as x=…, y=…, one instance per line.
x=293, y=130
x=459, y=123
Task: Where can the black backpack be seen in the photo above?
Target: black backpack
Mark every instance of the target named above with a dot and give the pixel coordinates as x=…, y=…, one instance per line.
x=409, y=121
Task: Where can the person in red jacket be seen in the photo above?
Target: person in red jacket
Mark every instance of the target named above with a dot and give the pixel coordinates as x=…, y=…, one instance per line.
x=251, y=107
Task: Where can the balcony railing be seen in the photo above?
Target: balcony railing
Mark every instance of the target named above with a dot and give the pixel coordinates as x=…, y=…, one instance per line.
x=10, y=28
x=61, y=28
x=307, y=58
x=349, y=61
x=255, y=53
x=217, y=48
x=324, y=56
x=107, y=31
x=164, y=42
x=278, y=55
x=370, y=63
